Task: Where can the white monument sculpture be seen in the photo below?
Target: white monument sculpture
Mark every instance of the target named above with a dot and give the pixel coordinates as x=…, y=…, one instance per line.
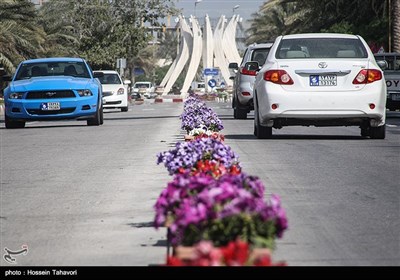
x=217, y=51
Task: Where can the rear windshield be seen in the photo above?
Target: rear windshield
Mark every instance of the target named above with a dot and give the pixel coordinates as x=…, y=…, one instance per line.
x=321, y=48
x=260, y=55
x=74, y=69
x=393, y=61
x=140, y=85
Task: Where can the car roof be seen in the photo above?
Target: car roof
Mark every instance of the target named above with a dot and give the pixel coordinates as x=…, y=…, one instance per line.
x=260, y=46
x=387, y=54
x=107, y=71
x=54, y=59
x=320, y=35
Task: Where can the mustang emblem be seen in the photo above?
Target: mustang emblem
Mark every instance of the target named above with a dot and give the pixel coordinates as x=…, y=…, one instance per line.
x=51, y=93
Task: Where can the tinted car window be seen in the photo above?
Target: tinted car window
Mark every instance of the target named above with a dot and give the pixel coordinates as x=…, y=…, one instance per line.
x=260, y=55
x=392, y=60
x=29, y=70
x=321, y=48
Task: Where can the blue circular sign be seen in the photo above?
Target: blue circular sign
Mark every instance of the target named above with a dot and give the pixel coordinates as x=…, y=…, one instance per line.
x=212, y=83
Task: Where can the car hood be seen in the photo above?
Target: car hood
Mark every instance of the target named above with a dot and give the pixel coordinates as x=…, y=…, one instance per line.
x=112, y=87
x=49, y=83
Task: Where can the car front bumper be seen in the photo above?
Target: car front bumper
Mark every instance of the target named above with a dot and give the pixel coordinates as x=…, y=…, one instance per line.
x=71, y=108
x=115, y=101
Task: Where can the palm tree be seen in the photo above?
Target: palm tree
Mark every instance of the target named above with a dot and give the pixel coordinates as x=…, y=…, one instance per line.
x=56, y=19
x=396, y=25
x=20, y=37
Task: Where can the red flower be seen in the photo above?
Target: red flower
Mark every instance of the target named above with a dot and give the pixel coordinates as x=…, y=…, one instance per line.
x=173, y=261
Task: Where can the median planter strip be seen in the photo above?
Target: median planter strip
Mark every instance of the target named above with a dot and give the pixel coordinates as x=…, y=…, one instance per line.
x=211, y=205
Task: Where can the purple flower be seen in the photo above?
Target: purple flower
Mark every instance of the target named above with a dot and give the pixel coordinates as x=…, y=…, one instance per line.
x=186, y=154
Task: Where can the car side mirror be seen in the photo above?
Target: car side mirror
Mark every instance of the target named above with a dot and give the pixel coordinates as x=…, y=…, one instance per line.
x=127, y=82
x=383, y=64
x=252, y=66
x=233, y=65
x=6, y=78
x=98, y=74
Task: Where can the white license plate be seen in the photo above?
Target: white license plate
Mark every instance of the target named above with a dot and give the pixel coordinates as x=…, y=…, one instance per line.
x=396, y=97
x=50, y=106
x=323, y=80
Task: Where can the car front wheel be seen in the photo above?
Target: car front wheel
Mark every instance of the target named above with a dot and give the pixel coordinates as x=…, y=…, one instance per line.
x=98, y=118
x=13, y=124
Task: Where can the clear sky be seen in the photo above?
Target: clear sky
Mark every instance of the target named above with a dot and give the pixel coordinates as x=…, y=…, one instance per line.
x=216, y=8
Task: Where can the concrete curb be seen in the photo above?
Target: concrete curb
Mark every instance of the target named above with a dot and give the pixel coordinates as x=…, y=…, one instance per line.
x=168, y=100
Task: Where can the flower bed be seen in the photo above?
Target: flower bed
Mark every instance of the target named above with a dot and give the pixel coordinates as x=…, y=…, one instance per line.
x=210, y=198
x=236, y=253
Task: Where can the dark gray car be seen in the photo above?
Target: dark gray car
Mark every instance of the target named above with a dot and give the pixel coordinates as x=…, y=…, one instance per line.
x=242, y=101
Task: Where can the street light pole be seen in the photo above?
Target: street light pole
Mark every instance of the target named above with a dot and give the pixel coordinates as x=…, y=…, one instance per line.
x=195, y=4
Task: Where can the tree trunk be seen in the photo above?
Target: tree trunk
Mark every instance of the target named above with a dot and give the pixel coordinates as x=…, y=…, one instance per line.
x=396, y=25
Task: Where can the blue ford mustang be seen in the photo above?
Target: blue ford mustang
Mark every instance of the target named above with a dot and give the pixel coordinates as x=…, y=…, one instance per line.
x=53, y=89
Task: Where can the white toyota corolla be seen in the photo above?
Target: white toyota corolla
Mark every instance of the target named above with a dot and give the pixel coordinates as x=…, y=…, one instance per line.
x=319, y=79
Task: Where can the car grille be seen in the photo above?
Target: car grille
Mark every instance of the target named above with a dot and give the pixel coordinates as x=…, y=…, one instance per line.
x=51, y=112
x=113, y=102
x=107, y=93
x=50, y=94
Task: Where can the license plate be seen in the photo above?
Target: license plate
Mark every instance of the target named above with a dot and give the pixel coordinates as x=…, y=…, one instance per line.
x=396, y=97
x=50, y=106
x=323, y=80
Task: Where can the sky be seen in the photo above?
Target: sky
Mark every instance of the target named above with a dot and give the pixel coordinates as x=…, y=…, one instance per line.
x=216, y=8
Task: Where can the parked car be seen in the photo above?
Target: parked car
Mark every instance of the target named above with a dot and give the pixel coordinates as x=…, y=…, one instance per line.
x=115, y=92
x=319, y=80
x=145, y=89
x=243, y=79
x=53, y=89
x=391, y=70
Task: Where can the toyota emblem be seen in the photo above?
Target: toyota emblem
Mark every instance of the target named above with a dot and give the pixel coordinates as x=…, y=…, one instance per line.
x=322, y=65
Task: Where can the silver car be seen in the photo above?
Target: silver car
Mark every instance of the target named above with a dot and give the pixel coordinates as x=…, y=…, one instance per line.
x=242, y=101
x=392, y=76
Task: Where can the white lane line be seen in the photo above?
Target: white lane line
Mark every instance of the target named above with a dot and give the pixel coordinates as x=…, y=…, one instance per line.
x=391, y=125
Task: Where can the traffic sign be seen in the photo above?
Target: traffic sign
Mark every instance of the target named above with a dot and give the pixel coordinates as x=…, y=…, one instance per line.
x=211, y=71
x=212, y=83
x=222, y=85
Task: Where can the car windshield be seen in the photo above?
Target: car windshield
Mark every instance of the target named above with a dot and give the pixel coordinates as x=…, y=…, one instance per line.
x=393, y=61
x=301, y=48
x=142, y=85
x=110, y=79
x=260, y=55
x=45, y=69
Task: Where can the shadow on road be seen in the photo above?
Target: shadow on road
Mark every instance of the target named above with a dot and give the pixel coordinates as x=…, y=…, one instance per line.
x=293, y=137
x=142, y=225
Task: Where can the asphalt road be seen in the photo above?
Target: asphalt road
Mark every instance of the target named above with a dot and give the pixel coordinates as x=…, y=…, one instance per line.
x=79, y=195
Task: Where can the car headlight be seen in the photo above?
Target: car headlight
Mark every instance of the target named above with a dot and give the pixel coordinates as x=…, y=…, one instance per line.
x=84, y=92
x=16, y=95
x=120, y=91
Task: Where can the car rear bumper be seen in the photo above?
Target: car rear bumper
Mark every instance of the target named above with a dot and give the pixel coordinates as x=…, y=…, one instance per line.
x=332, y=108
